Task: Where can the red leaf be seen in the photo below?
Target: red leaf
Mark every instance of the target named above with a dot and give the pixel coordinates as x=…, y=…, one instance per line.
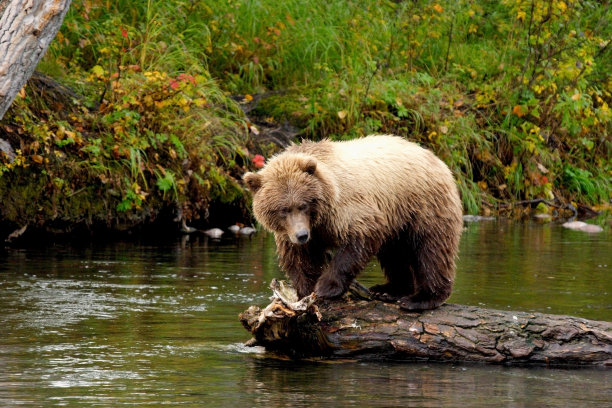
x=124, y=33
x=258, y=161
x=518, y=111
x=186, y=78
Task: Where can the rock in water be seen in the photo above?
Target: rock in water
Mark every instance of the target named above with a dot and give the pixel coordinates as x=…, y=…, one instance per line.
x=235, y=229
x=247, y=231
x=582, y=226
x=214, y=233
x=186, y=229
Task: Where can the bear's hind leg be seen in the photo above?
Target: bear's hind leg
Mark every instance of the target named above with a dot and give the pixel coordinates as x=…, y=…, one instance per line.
x=397, y=260
x=434, y=274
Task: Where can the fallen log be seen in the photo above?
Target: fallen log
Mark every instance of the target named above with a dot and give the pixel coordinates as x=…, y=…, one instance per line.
x=354, y=327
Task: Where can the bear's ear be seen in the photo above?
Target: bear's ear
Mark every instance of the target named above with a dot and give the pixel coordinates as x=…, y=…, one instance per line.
x=309, y=165
x=253, y=181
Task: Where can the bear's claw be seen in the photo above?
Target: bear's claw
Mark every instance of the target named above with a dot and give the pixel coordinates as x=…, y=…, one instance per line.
x=385, y=297
x=384, y=293
x=407, y=303
x=329, y=288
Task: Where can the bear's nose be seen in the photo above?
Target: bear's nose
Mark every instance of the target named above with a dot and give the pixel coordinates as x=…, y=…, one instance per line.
x=302, y=236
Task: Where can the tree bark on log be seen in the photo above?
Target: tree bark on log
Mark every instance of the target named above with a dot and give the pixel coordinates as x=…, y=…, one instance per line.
x=350, y=328
x=27, y=27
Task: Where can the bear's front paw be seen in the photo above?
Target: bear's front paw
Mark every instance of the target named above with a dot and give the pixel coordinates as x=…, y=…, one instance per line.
x=329, y=287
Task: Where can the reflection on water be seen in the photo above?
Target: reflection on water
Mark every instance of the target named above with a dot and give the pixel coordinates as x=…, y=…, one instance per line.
x=140, y=324
x=422, y=385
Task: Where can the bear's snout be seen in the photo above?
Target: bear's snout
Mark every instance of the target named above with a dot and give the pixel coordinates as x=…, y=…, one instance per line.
x=302, y=236
x=298, y=227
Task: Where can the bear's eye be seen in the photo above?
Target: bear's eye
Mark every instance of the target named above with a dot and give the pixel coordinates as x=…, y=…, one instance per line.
x=283, y=212
x=303, y=207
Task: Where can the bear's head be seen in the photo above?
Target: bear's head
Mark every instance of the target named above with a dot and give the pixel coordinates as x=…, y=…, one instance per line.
x=288, y=194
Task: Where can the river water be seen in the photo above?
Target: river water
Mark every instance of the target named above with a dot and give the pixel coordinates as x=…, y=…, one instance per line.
x=142, y=324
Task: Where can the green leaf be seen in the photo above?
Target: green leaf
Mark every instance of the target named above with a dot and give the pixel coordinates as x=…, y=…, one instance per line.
x=124, y=205
x=97, y=70
x=165, y=183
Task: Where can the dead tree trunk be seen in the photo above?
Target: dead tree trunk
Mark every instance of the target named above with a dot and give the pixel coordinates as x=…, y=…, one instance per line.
x=362, y=328
x=26, y=30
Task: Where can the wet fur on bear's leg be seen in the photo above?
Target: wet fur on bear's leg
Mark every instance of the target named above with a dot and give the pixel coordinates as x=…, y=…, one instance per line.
x=434, y=272
x=419, y=271
x=348, y=261
x=397, y=260
x=303, y=264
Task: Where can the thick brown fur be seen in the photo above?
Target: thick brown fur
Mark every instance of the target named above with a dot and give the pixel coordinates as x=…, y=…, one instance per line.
x=332, y=206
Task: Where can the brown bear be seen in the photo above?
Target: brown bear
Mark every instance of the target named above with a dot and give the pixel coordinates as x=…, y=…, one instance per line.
x=332, y=206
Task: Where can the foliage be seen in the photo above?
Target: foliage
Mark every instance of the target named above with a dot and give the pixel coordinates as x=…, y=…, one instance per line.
x=154, y=130
x=511, y=94
x=514, y=95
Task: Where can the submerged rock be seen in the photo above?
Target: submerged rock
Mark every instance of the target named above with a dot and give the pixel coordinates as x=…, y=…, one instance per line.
x=186, y=229
x=543, y=217
x=582, y=226
x=234, y=229
x=247, y=231
x=476, y=218
x=214, y=233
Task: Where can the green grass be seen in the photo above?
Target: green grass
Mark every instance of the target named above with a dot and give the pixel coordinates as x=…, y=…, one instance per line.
x=517, y=108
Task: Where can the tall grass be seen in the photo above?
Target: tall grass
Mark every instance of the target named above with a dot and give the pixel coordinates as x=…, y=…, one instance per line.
x=525, y=81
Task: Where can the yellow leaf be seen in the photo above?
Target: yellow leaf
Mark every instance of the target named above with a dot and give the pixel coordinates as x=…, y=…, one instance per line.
x=438, y=8
x=342, y=114
x=199, y=102
x=576, y=96
x=562, y=6
x=98, y=71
